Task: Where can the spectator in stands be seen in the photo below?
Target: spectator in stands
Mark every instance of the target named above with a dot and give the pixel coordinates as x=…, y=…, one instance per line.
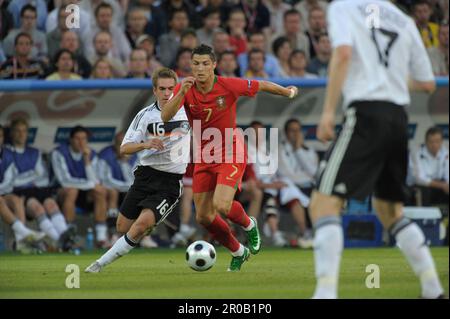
x=12, y=211
x=258, y=41
x=157, y=21
x=211, y=22
x=20, y=66
x=147, y=43
x=15, y=8
x=170, y=42
x=28, y=16
x=6, y=21
x=31, y=182
x=429, y=30
x=277, y=8
x=189, y=39
x=257, y=15
x=256, y=59
x=64, y=62
x=221, y=41
x=103, y=47
x=305, y=7
x=102, y=69
x=136, y=22
x=236, y=27
x=120, y=47
x=430, y=168
x=2, y=55
x=183, y=63
x=282, y=49
x=319, y=64
x=76, y=167
x=227, y=65
x=297, y=65
x=293, y=31
x=84, y=29
x=298, y=161
x=439, y=55
x=54, y=37
x=172, y=6
x=138, y=65
x=69, y=41
x=91, y=6
x=316, y=26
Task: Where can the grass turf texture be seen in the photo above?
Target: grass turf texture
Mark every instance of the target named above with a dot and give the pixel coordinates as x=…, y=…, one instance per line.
x=160, y=273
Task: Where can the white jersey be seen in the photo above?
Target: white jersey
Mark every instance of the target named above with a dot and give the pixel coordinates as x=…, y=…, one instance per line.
x=387, y=50
x=426, y=167
x=174, y=134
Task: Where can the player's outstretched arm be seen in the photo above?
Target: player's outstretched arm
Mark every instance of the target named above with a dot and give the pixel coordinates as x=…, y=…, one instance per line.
x=173, y=105
x=273, y=88
x=132, y=148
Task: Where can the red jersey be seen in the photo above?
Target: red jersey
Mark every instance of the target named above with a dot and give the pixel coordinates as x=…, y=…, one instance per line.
x=217, y=108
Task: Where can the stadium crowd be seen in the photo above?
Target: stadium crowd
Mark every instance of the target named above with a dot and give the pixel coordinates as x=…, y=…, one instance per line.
x=132, y=38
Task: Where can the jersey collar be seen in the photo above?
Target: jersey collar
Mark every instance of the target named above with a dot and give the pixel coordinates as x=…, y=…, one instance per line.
x=157, y=106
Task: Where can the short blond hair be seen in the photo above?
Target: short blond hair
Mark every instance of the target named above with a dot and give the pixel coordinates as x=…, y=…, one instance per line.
x=163, y=73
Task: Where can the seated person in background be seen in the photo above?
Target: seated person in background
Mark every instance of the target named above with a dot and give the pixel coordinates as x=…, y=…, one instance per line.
x=116, y=174
x=12, y=211
x=430, y=165
x=297, y=161
x=71, y=42
x=147, y=43
x=256, y=60
x=319, y=64
x=138, y=65
x=64, y=63
x=102, y=69
x=21, y=66
x=103, y=50
x=189, y=39
x=32, y=184
x=183, y=63
x=276, y=184
x=227, y=65
x=75, y=166
x=297, y=65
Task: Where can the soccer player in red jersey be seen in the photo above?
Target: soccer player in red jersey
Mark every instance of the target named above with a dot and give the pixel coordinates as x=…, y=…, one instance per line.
x=212, y=100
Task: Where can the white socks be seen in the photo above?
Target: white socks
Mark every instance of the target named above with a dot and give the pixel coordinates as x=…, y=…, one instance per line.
x=121, y=247
x=20, y=230
x=328, y=245
x=411, y=242
x=101, y=232
x=250, y=226
x=238, y=252
x=59, y=222
x=47, y=227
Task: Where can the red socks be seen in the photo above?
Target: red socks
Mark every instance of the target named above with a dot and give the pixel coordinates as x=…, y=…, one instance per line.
x=237, y=215
x=221, y=232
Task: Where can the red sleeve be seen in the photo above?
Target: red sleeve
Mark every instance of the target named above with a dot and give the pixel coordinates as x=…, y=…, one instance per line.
x=175, y=92
x=243, y=87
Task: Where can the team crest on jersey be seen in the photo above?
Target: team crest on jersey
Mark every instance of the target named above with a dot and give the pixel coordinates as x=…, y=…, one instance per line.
x=220, y=101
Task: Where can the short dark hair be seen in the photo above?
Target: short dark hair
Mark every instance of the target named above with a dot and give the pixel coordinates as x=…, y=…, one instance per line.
x=256, y=51
x=204, y=49
x=209, y=11
x=291, y=12
x=22, y=34
x=433, y=131
x=27, y=7
x=77, y=129
x=61, y=52
x=182, y=51
x=174, y=12
x=278, y=43
x=226, y=52
x=256, y=122
x=289, y=122
x=103, y=5
x=19, y=121
x=420, y=3
x=163, y=73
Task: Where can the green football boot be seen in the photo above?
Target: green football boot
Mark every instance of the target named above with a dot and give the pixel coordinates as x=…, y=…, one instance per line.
x=253, y=237
x=236, y=262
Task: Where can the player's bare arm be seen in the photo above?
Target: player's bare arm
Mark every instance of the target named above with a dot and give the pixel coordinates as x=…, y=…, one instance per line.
x=273, y=88
x=428, y=87
x=340, y=61
x=172, y=106
x=131, y=148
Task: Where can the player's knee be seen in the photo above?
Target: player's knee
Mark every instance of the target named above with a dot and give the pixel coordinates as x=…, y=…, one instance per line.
x=222, y=206
x=50, y=206
x=141, y=227
x=35, y=208
x=100, y=192
x=204, y=220
x=70, y=194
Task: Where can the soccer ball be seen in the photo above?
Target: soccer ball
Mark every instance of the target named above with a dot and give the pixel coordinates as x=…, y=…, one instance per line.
x=200, y=255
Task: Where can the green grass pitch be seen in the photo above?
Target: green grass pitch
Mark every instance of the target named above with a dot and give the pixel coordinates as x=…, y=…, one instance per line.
x=161, y=273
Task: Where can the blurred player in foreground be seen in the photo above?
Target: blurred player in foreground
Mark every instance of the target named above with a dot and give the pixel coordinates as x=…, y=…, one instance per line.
x=372, y=60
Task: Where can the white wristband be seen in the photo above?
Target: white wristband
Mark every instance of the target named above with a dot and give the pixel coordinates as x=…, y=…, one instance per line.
x=292, y=94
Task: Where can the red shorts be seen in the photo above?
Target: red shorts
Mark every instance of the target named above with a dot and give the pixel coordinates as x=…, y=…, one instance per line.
x=207, y=176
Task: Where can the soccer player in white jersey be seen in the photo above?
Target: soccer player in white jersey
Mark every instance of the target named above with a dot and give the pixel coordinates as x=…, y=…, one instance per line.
x=163, y=154
x=377, y=50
